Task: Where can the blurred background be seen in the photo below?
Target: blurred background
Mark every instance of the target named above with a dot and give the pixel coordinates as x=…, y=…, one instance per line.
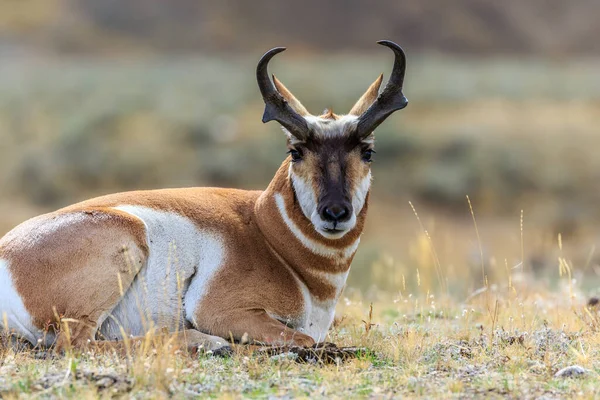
x=104, y=96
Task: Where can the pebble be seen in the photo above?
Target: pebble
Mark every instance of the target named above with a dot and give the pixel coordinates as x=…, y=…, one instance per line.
x=571, y=372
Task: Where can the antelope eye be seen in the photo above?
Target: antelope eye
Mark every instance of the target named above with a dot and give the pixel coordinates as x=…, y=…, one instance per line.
x=296, y=156
x=367, y=155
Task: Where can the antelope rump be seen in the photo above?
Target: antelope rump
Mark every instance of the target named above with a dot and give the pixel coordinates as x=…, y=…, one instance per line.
x=207, y=264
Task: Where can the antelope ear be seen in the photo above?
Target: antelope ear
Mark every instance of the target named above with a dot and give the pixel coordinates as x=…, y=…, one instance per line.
x=289, y=97
x=367, y=99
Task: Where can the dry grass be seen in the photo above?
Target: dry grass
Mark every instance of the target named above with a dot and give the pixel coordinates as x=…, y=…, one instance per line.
x=507, y=339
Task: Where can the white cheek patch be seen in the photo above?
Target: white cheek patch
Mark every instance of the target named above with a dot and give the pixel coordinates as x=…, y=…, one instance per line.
x=308, y=203
x=360, y=193
x=305, y=195
x=307, y=199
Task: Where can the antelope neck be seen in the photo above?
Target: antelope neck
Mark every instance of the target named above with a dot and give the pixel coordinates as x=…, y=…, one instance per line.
x=316, y=260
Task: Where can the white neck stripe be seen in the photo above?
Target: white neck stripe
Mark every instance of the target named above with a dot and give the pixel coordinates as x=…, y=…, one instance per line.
x=307, y=242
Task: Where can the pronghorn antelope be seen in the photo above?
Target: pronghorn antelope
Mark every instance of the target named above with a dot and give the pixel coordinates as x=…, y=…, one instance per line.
x=208, y=263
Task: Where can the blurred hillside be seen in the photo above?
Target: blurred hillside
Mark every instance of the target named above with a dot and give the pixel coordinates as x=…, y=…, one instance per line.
x=113, y=95
x=535, y=27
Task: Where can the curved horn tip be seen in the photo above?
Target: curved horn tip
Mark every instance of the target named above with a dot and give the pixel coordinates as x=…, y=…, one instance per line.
x=264, y=60
x=275, y=50
x=390, y=44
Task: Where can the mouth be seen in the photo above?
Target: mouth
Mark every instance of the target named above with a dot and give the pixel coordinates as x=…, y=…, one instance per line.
x=333, y=230
x=332, y=233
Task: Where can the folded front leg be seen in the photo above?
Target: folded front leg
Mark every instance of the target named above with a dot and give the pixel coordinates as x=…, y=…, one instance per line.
x=257, y=326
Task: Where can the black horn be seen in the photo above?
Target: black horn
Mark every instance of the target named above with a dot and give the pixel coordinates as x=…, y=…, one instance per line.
x=276, y=107
x=390, y=100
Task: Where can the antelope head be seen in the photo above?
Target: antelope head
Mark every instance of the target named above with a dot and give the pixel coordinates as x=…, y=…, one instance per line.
x=330, y=154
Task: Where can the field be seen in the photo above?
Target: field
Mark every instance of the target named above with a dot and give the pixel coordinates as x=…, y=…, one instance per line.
x=507, y=342
x=470, y=298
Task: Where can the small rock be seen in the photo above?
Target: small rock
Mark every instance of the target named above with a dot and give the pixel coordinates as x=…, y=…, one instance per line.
x=285, y=356
x=571, y=372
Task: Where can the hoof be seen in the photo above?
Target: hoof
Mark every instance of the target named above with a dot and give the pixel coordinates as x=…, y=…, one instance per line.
x=225, y=351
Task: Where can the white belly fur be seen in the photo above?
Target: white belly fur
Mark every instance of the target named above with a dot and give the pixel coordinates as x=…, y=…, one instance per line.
x=12, y=309
x=181, y=262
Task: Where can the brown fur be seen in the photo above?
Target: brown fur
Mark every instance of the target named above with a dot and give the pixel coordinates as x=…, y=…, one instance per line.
x=92, y=249
x=77, y=262
x=98, y=247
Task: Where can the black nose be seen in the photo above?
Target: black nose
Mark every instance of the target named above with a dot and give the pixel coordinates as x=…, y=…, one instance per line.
x=335, y=213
